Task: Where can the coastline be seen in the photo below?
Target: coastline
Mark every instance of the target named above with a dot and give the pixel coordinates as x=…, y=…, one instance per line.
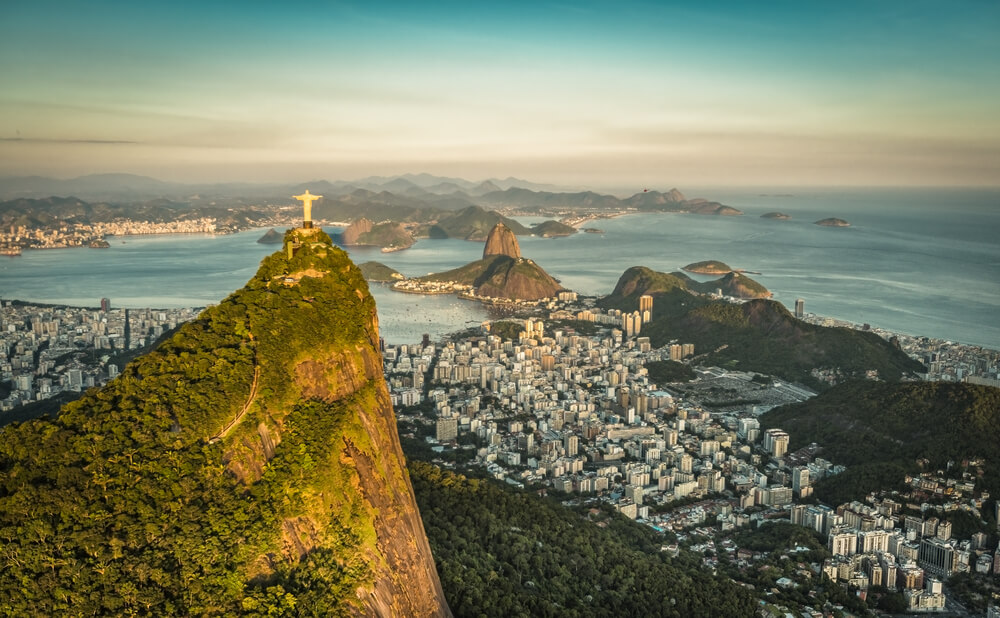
x=580, y=220
x=139, y=274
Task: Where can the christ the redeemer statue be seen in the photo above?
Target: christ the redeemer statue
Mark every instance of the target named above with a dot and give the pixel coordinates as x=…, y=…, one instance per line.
x=307, y=200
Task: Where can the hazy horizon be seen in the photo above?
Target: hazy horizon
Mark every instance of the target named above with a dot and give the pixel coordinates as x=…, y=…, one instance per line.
x=650, y=95
x=710, y=191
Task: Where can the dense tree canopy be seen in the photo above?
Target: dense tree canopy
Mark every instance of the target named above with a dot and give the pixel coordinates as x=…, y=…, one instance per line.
x=501, y=553
x=126, y=503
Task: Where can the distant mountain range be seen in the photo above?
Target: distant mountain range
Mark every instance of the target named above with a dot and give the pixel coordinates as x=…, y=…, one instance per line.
x=51, y=212
x=130, y=187
x=410, y=197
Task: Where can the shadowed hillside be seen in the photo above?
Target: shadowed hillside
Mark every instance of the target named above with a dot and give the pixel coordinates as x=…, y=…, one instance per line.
x=758, y=335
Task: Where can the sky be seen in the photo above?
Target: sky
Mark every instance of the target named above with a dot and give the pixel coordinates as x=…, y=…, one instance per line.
x=657, y=94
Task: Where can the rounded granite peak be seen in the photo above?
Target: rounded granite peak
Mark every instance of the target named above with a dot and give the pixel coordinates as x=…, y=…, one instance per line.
x=501, y=241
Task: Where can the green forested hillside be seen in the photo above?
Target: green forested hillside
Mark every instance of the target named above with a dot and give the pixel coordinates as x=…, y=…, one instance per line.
x=758, y=335
x=552, y=228
x=501, y=553
x=502, y=276
x=639, y=280
x=761, y=335
x=880, y=430
x=472, y=223
x=210, y=477
x=379, y=272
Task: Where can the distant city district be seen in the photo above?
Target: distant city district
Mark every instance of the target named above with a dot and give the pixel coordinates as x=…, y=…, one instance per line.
x=554, y=410
x=45, y=351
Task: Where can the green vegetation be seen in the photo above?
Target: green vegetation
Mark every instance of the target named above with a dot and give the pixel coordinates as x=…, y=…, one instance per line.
x=762, y=336
x=880, y=431
x=667, y=371
x=382, y=206
x=788, y=550
x=379, y=272
x=472, y=223
x=733, y=284
x=471, y=273
x=780, y=537
x=552, y=228
x=709, y=267
x=520, y=279
x=639, y=280
x=387, y=234
x=975, y=590
x=507, y=330
x=501, y=276
x=122, y=505
x=501, y=553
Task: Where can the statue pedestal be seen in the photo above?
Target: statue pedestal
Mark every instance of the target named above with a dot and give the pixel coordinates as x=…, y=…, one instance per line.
x=307, y=225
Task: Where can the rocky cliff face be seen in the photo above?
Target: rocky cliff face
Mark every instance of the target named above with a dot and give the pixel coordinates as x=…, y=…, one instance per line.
x=354, y=231
x=250, y=464
x=501, y=241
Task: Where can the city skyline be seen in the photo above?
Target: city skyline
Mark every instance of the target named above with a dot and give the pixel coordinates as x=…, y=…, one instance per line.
x=896, y=94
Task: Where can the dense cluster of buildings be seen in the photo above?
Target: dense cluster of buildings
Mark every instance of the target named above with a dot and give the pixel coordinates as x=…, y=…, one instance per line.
x=417, y=286
x=15, y=238
x=554, y=409
x=580, y=415
x=47, y=350
x=875, y=545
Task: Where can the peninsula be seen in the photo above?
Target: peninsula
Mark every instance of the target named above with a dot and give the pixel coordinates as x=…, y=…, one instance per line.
x=549, y=229
x=379, y=273
x=501, y=275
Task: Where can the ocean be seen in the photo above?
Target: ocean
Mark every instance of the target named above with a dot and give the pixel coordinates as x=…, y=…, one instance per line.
x=922, y=262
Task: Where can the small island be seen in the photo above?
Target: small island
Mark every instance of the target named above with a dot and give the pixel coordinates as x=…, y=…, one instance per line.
x=833, y=222
x=776, y=215
x=709, y=267
x=272, y=237
x=593, y=230
x=377, y=272
x=550, y=228
x=99, y=244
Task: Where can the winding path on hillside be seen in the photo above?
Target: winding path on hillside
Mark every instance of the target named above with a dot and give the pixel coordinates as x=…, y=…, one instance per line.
x=246, y=407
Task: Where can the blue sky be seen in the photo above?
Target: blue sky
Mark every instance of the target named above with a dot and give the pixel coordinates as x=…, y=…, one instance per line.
x=602, y=94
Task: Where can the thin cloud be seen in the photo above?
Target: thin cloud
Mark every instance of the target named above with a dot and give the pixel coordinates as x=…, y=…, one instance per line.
x=45, y=140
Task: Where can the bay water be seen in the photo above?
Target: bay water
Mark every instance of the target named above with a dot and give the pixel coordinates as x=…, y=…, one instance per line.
x=922, y=262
